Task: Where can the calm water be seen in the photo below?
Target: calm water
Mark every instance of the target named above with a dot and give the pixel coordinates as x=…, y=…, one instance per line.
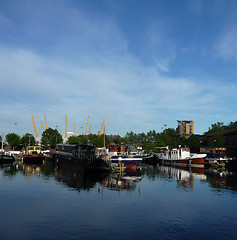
x=43, y=202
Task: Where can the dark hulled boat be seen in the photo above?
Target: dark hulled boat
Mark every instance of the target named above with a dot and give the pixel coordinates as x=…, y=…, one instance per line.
x=33, y=158
x=33, y=155
x=80, y=156
x=5, y=158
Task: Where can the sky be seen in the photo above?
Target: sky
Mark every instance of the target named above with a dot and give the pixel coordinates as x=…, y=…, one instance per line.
x=139, y=64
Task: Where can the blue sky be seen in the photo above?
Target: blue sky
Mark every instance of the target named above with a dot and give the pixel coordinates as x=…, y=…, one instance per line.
x=139, y=64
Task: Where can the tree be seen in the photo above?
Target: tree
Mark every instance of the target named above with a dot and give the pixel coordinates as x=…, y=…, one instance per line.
x=216, y=140
x=98, y=141
x=51, y=137
x=232, y=125
x=193, y=143
x=148, y=146
x=216, y=127
x=77, y=139
x=28, y=139
x=13, y=139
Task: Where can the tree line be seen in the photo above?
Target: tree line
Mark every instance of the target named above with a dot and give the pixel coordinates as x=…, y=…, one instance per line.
x=148, y=141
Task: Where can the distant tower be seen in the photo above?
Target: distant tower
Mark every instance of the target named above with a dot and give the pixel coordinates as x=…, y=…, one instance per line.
x=185, y=128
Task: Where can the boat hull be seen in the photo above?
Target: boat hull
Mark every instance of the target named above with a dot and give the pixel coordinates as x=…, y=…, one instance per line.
x=92, y=164
x=176, y=161
x=126, y=159
x=189, y=161
x=33, y=159
x=4, y=159
x=152, y=159
x=197, y=161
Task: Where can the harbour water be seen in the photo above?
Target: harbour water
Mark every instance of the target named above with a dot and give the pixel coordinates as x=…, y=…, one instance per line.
x=46, y=202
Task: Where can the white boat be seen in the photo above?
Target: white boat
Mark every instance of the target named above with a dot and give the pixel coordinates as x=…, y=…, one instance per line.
x=182, y=156
x=124, y=154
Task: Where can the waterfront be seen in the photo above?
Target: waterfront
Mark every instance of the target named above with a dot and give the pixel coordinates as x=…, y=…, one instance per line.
x=45, y=202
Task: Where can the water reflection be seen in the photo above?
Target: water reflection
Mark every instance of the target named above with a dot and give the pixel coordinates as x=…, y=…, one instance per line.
x=186, y=176
x=221, y=179
x=218, y=179
x=123, y=181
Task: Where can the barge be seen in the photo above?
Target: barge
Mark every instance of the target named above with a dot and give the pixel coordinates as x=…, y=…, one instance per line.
x=80, y=156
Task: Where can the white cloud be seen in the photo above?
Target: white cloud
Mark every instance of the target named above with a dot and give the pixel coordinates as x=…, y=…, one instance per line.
x=226, y=46
x=78, y=63
x=125, y=92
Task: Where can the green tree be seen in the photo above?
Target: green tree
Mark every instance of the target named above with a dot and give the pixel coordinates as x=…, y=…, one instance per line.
x=125, y=140
x=193, y=143
x=13, y=139
x=182, y=141
x=132, y=137
x=216, y=127
x=77, y=139
x=51, y=137
x=27, y=139
x=232, y=125
x=98, y=141
x=117, y=140
x=148, y=146
x=216, y=140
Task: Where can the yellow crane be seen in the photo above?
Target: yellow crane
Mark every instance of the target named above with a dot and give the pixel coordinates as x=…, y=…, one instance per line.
x=46, y=125
x=42, y=125
x=89, y=130
x=87, y=125
x=74, y=128
x=33, y=121
x=66, y=126
x=100, y=132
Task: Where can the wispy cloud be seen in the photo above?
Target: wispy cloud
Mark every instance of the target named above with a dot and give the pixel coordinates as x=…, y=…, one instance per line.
x=226, y=46
x=69, y=60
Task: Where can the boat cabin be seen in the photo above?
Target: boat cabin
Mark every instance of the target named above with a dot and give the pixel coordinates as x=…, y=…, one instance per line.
x=214, y=152
x=32, y=150
x=161, y=149
x=175, y=154
x=122, y=148
x=76, y=150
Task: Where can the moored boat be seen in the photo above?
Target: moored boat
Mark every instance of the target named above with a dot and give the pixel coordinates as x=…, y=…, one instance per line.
x=124, y=154
x=33, y=158
x=6, y=158
x=80, y=156
x=150, y=158
x=182, y=156
x=33, y=155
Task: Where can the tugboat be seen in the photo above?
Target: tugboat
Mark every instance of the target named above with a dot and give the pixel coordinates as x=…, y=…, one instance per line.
x=182, y=156
x=33, y=155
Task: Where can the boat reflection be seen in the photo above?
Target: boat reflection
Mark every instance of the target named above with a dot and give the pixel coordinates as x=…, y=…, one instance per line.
x=79, y=179
x=126, y=181
x=184, y=175
x=76, y=179
x=217, y=178
x=221, y=179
